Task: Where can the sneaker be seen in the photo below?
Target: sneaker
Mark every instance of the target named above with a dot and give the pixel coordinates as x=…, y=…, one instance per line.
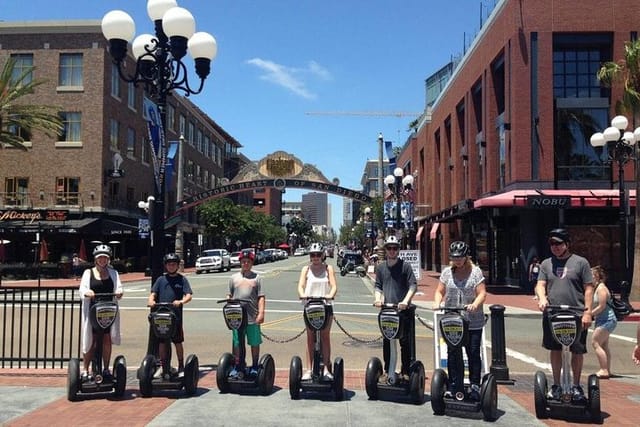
x=253, y=372
x=306, y=376
x=106, y=375
x=384, y=378
x=474, y=392
x=234, y=373
x=158, y=373
x=328, y=376
x=448, y=394
x=554, y=392
x=84, y=377
x=577, y=394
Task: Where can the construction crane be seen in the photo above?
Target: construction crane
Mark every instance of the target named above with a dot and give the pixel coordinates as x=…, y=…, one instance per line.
x=364, y=113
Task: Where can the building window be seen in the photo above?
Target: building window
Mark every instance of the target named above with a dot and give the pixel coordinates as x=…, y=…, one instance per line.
x=190, y=133
x=114, y=129
x=218, y=156
x=72, y=126
x=70, y=69
x=131, y=96
x=115, y=82
x=207, y=144
x=67, y=190
x=171, y=117
x=182, y=125
x=199, y=140
x=144, y=150
x=576, y=61
x=131, y=142
x=23, y=68
x=19, y=131
x=16, y=190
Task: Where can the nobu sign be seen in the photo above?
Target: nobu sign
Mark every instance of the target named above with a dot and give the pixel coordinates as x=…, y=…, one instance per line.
x=549, y=202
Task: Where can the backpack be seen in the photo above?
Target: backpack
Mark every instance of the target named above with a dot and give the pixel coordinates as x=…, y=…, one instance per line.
x=620, y=308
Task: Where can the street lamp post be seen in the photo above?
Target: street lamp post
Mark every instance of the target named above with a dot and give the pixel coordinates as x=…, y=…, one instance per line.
x=402, y=188
x=621, y=149
x=179, y=196
x=160, y=68
x=369, y=227
x=380, y=162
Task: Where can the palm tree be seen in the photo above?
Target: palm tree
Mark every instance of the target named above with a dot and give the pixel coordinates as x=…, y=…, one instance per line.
x=627, y=72
x=19, y=119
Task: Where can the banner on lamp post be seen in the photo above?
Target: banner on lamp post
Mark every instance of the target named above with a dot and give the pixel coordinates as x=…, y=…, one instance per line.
x=151, y=114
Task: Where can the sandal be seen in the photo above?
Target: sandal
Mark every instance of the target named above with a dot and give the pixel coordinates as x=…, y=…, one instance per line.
x=603, y=377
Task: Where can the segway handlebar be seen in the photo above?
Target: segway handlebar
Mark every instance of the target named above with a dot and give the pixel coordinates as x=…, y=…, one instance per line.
x=390, y=305
x=102, y=294
x=240, y=300
x=316, y=299
x=565, y=307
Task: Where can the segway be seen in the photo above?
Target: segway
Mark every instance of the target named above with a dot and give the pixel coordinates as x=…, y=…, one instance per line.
x=454, y=327
x=163, y=322
x=566, y=327
x=389, y=321
x=235, y=317
x=102, y=314
x=315, y=317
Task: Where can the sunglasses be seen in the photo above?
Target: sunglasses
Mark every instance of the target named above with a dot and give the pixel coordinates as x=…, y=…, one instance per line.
x=556, y=243
x=316, y=255
x=393, y=248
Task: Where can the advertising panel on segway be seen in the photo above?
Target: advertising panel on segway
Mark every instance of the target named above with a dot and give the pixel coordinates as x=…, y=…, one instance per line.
x=452, y=325
x=316, y=319
x=391, y=323
x=103, y=312
x=565, y=324
x=232, y=372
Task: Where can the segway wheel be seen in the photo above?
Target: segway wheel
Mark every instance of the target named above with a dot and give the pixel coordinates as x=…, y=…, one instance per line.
x=338, y=378
x=372, y=375
x=266, y=374
x=295, y=377
x=191, y=375
x=489, y=395
x=120, y=373
x=416, y=389
x=594, y=398
x=439, y=383
x=145, y=375
x=73, y=379
x=225, y=365
x=540, y=395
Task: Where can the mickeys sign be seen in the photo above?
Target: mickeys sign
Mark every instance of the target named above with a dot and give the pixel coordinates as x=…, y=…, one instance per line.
x=279, y=170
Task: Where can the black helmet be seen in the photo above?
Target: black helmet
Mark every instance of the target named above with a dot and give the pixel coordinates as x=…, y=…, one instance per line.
x=171, y=257
x=559, y=235
x=458, y=249
x=103, y=250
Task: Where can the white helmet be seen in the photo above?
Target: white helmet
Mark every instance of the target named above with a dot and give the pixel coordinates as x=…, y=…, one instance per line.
x=102, y=250
x=391, y=241
x=316, y=248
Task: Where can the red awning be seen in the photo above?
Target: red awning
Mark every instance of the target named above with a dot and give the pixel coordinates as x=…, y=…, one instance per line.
x=434, y=230
x=419, y=233
x=579, y=198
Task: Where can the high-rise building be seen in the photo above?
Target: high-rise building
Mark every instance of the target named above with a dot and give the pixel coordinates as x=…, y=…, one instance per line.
x=315, y=208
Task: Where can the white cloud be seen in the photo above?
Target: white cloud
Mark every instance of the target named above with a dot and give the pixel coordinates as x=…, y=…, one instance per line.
x=292, y=79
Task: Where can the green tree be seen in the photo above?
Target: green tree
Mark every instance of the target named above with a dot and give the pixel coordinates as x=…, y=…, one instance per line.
x=627, y=73
x=18, y=118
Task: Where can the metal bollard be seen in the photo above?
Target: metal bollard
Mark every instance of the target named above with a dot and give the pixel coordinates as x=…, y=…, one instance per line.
x=499, y=366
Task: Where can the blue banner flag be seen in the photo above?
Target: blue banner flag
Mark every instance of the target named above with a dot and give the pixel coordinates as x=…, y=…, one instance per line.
x=151, y=114
x=391, y=155
x=171, y=161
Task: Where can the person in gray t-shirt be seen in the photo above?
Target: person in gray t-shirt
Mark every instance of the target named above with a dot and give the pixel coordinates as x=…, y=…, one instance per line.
x=565, y=278
x=396, y=284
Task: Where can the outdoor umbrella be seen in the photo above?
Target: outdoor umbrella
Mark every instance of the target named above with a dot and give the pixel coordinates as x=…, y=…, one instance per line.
x=44, y=251
x=283, y=246
x=82, y=253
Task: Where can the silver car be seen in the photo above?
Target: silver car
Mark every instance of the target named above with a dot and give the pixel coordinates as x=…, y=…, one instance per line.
x=213, y=259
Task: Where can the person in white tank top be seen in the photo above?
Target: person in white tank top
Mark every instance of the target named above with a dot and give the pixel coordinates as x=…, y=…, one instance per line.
x=318, y=279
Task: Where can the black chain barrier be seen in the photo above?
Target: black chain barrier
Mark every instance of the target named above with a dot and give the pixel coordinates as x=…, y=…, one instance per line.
x=424, y=323
x=354, y=338
x=283, y=341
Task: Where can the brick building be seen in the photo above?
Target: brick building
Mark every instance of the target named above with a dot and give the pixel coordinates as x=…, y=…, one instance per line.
x=69, y=182
x=503, y=153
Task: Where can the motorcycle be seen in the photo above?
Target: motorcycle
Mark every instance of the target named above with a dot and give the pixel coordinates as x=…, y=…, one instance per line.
x=351, y=267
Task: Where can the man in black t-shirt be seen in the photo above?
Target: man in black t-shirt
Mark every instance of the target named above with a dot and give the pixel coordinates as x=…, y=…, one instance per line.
x=174, y=288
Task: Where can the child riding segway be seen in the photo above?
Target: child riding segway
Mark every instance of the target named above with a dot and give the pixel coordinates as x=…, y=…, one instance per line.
x=99, y=289
x=461, y=294
x=243, y=313
x=395, y=285
x=168, y=294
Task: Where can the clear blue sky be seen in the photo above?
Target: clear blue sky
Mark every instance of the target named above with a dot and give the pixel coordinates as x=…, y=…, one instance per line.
x=278, y=59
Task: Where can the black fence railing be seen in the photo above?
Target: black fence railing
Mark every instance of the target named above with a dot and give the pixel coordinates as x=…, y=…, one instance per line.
x=40, y=326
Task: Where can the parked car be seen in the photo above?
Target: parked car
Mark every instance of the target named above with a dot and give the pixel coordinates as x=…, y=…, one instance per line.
x=271, y=255
x=213, y=259
x=299, y=252
x=234, y=259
